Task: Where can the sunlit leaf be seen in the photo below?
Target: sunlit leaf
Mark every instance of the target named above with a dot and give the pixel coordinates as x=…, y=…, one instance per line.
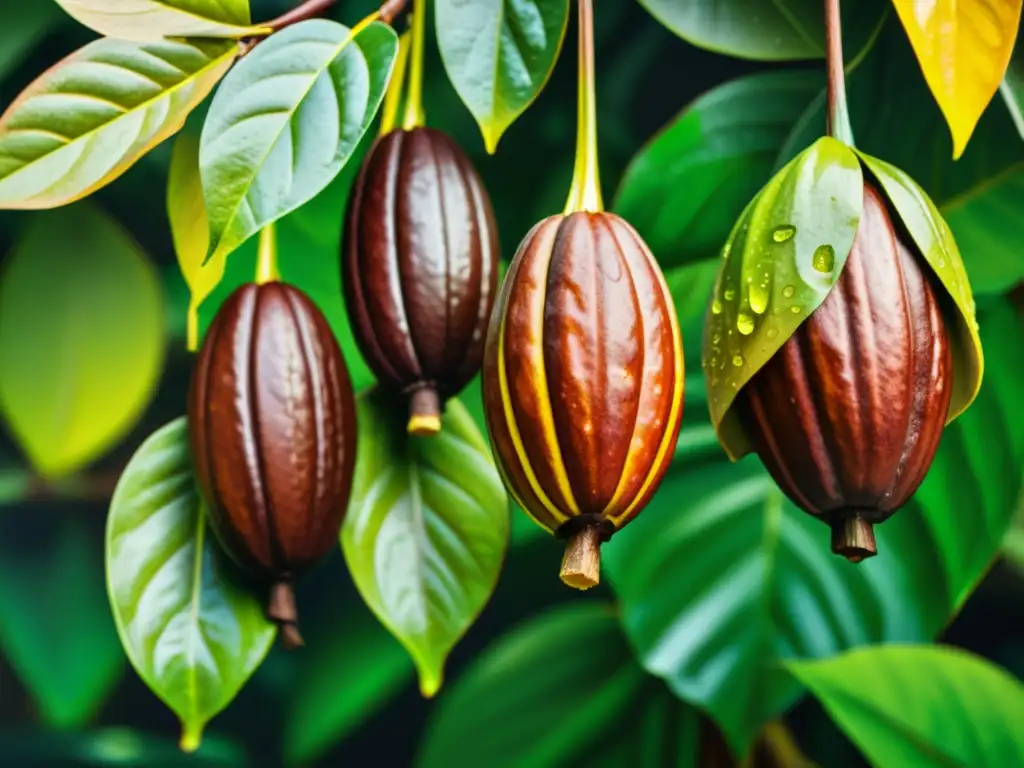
x=148, y=20
x=191, y=631
x=963, y=47
x=91, y=116
x=499, y=54
x=427, y=529
x=285, y=122
x=81, y=337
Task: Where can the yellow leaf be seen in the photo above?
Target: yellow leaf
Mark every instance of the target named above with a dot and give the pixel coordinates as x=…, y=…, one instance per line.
x=963, y=47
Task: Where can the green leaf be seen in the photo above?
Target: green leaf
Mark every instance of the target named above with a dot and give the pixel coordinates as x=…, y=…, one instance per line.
x=81, y=337
x=151, y=20
x=562, y=689
x=780, y=30
x=921, y=706
x=285, y=122
x=685, y=189
x=346, y=676
x=191, y=631
x=23, y=30
x=120, y=747
x=55, y=629
x=771, y=278
x=91, y=116
x=716, y=633
x=427, y=529
x=499, y=55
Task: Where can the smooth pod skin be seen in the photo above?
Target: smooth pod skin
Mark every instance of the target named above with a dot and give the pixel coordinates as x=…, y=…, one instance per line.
x=272, y=424
x=847, y=415
x=583, y=375
x=420, y=268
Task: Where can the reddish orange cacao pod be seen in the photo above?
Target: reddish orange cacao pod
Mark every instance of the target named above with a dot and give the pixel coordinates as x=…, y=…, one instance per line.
x=583, y=381
x=420, y=268
x=272, y=424
x=847, y=415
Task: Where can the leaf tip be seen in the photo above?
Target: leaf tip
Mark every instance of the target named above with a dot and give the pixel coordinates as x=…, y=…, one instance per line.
x=430, y=682
x=191, y=738
x=491, y=138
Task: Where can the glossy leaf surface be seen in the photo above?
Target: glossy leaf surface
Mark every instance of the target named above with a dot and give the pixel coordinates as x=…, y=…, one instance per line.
x=285, y=122
x=927, y=706
x=81, y=337
x=91, y=116
x=963, y=47
x=705, y=166
x=151, y=20
x=769, y=281
x=499, y=55
x=427, y=529
x=715, y=633
x=191, y=631
x=561, y=689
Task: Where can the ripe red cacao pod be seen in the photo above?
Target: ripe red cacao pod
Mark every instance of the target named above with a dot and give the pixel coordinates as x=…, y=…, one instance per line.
x=583, y=381
x=847, y=415
x=420, y=268
x=272, y=425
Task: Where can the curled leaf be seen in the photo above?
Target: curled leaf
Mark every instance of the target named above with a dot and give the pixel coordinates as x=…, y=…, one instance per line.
x=151, y=20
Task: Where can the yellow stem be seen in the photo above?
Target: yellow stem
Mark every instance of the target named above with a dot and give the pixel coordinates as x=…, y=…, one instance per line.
x=393, y=97
x=192, y=325
x=266, y=260
x=414, y=115
x=585, y=193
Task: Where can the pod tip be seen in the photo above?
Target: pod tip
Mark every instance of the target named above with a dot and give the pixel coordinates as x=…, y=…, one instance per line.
x=854, y=538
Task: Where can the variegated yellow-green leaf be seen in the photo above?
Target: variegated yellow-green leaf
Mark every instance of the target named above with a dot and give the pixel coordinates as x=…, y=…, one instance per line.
x=770, y=280
x=81, y=337
x=191, y=631
x=963, y=47
x=190, y=230
x=90, y=117
x=149, y=20
x=427, y=529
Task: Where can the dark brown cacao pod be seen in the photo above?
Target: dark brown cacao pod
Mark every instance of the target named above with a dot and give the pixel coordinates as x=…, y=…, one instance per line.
x=272, y=424
x=420, y=268
x=847, y=415
x=583, y=381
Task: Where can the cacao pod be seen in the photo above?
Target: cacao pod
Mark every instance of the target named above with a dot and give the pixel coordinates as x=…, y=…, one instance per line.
x=583, y=381
x=420, y=268
x=272, y=426
x=841, y=338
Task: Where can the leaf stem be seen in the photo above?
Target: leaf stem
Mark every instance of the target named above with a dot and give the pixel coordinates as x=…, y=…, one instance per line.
x=266, y=260
x=837, y=116
x=585, y=193
x=301, y=12
x=393, y=96
x=414, y=115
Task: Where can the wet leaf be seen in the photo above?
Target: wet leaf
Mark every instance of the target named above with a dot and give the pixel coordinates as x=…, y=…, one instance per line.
x=151, y=20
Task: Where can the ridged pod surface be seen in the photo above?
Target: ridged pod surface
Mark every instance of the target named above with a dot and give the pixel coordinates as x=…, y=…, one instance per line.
x=420, y=268
x=847, y=415
x=272, y=425
x=583, y=379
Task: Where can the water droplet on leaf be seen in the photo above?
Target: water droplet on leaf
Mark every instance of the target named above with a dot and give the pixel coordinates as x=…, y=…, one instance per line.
x=783, y=233
x=737, y=360
x=730, y=294
x=745, y=323
x=788, y=291
x=772, y=333
x=824, y=258
x=796, y=309
x=759, y=298
x=716, y=306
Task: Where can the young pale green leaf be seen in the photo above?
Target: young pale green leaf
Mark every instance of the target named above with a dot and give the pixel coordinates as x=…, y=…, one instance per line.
x=499, y=55
x=23, y=30
x=191, y=631
x=285, y=122
x=91, y=116
x=191, y=230
x=772, y=276
x=152, y=20
x=705, y=166
x=55, y=629
x=427, y=529
x=562, y=689
x=716, y=634
x=925, y=706
x=935, y=242
x=81, y=337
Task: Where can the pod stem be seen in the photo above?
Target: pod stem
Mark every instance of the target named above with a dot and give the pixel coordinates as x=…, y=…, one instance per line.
x=853, y=537
x=424, y=412
x=393, y=97
x=414, y=115
x=266, y=259
x=585, y=193
x=581, y=563
x=281, y=609
x=837, y=115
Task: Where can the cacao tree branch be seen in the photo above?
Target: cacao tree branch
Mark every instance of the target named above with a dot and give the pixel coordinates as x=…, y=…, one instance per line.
x=837, y=117
x=22, y=485
x=311, y=8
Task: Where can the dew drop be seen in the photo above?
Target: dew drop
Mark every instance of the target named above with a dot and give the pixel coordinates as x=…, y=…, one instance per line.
x=730, y=294
x=725, y=250
x=745, y=323
x=737, y=360
x=716, y=338
x=796, y=309
x=788, y=291
x=759, y=297
x=824, y=258
x=772, y=333
x=783, y=233
x=716, y=306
